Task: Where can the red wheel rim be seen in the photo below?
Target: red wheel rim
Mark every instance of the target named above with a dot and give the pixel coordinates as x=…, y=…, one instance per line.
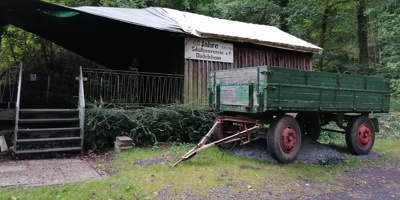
x=288, y=139
x=364, y=135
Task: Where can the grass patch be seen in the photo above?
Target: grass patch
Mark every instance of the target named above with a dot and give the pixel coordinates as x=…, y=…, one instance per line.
x=207, y=171
x=391, y=147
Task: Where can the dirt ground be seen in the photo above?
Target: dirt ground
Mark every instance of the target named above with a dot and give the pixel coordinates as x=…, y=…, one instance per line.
x=367, y=182
x=360, y=183
x=375, y=181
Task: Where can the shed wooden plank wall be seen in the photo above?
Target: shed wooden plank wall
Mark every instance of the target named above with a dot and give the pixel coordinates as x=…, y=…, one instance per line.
x=197, y=72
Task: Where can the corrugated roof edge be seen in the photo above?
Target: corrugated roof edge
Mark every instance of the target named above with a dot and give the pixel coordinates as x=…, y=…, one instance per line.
x=188, y=29
x=264, y=43
x=93, y=10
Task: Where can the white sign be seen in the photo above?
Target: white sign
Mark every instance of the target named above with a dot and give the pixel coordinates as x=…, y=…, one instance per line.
x=211, y=50
x=33, y=77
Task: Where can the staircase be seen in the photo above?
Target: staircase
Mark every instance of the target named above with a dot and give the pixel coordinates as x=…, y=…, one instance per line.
x=49, y=130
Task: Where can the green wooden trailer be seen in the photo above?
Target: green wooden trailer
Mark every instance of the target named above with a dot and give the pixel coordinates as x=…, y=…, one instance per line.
x=283, y=105
x=264, y=89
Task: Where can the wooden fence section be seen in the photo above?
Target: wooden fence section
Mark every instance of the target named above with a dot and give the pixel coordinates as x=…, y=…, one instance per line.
x=197, y=72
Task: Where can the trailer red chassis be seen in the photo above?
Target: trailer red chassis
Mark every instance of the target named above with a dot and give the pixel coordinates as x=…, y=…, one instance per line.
x=283, y=133
x=247, y=132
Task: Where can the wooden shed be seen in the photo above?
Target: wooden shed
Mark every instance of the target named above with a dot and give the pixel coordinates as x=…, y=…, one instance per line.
x=218, y=44
x=160, y=40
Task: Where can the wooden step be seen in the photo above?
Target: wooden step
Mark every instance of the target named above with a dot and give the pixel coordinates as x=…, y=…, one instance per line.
x=48, y=129
x=49, y=150
x=48, y=120
x=48, y=139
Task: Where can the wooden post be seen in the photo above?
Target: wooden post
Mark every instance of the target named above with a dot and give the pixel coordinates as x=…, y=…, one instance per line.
x=3, y=144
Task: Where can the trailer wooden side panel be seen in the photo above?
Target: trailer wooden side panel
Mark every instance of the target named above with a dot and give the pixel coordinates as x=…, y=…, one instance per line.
x=260, y=89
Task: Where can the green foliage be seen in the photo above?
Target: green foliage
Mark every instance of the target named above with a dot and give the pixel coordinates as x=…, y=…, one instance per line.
x=124, y=3
x=184, y=5
x=146, y=126
x=392, y=71
x=386, y=20
x=332, y=138
x=395, y=105
x=389, y=125
x=331, y=25
x=19, y=45
x=254, y=11
x=75, y=3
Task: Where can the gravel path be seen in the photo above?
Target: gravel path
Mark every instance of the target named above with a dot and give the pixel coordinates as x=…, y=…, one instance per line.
x=44, y=172
x=312, y=152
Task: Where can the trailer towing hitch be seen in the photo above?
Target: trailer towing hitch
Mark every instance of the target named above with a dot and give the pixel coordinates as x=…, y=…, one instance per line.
x=201, y=146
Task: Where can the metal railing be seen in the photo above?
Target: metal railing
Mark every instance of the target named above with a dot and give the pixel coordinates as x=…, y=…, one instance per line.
x=130, y=87
x=17, y=103
x=8, y=82
x=81, y=107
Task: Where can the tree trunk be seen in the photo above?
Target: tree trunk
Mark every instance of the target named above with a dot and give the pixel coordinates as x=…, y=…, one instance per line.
x=362, y=21
x=323, y=36
x=43, y=46
x=284, y=15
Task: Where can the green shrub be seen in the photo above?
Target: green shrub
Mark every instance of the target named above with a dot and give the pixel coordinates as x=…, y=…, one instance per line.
x=146, y=126
x=389, y=125
x=389, y=128
x=395, y=104
x=332, y=138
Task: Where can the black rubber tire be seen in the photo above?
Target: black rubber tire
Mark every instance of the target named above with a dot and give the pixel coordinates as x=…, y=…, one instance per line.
x=220, y=133
x=352, y=140
x=274, y=138
x=310, y=125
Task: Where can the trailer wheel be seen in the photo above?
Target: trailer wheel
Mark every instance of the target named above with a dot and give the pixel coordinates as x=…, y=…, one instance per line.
x=284, y=139
x=224, y=130
x=360, y=135
x=310, y=125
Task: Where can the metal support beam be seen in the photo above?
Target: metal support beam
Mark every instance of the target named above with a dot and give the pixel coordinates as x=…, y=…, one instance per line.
x=331, y=130
x=17, y=106
x=81, y=107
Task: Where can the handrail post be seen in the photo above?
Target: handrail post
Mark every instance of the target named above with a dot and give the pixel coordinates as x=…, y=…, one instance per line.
x=17, y=105
x=81, y=107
